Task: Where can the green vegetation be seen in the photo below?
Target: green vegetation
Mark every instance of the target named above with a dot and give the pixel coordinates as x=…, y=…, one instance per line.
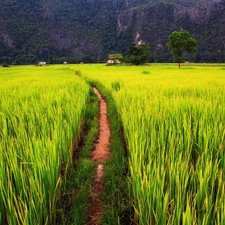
x=41, y=109
x=55, y=31
x=116, y=206
x=138, y=55
x=172, y=122
x=116, y=56
x=174, y=130
x=73, y=204
x=180, y=43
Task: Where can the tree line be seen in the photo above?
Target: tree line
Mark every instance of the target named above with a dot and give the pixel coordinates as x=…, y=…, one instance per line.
x=179, y=43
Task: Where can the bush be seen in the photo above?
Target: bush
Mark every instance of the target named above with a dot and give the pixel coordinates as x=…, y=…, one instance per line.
x=116, y=86
x=145, y=72
x=5, y=65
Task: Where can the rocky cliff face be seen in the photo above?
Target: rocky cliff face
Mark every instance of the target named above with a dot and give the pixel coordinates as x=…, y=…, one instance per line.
x=153, y=23
x=200, y=12
x=89, y=30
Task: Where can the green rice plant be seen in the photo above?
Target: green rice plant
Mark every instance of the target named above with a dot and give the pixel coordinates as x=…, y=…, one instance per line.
x=174, y=129
x=40, y=116
x=145, y=72
x=116, y=86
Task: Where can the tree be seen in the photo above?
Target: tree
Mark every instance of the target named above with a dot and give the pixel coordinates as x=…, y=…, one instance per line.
x=50, y=59
x=138, y=55
x=181, y=42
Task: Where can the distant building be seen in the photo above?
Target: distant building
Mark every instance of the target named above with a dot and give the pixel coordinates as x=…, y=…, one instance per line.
x=42, y=63
x=114, y=59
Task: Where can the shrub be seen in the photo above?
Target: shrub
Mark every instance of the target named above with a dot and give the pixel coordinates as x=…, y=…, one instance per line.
x=145, y=72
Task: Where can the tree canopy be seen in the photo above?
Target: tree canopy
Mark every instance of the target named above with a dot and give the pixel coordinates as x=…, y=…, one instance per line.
x=138, y=55
x=181, y=42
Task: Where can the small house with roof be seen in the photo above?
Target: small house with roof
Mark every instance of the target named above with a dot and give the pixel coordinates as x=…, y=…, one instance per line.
x=114, y=59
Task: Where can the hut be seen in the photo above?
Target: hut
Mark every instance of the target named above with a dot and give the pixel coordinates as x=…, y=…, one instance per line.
x=42, y=63
x=114, y=59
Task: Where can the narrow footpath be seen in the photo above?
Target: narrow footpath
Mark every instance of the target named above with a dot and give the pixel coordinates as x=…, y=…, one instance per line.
x=100, y=154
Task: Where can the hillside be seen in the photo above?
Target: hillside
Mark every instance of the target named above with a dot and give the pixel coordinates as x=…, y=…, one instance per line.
x=89, y=30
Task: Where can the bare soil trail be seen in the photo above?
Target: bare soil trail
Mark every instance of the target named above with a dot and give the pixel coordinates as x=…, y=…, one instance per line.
x=100, y=154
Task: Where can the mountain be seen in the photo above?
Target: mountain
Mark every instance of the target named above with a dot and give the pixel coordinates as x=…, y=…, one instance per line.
x=89, y=30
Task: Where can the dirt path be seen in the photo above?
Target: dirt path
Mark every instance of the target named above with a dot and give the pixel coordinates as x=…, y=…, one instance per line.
x=100, y=154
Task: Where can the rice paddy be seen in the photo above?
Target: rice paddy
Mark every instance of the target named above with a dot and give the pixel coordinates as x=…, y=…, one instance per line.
x=41, y=110
x=173, y=123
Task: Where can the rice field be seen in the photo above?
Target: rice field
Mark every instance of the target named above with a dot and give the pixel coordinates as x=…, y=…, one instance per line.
x=41, y=110
x=174, y=129
x=175, y=132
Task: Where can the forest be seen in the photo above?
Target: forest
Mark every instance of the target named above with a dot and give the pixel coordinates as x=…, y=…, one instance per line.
x=89, y=30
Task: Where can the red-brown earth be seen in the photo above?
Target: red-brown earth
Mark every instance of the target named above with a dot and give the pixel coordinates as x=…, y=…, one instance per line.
x=100, y=154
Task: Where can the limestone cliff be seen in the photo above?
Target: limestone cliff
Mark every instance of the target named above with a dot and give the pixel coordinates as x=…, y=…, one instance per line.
x=153, y=23
x=89, y=30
